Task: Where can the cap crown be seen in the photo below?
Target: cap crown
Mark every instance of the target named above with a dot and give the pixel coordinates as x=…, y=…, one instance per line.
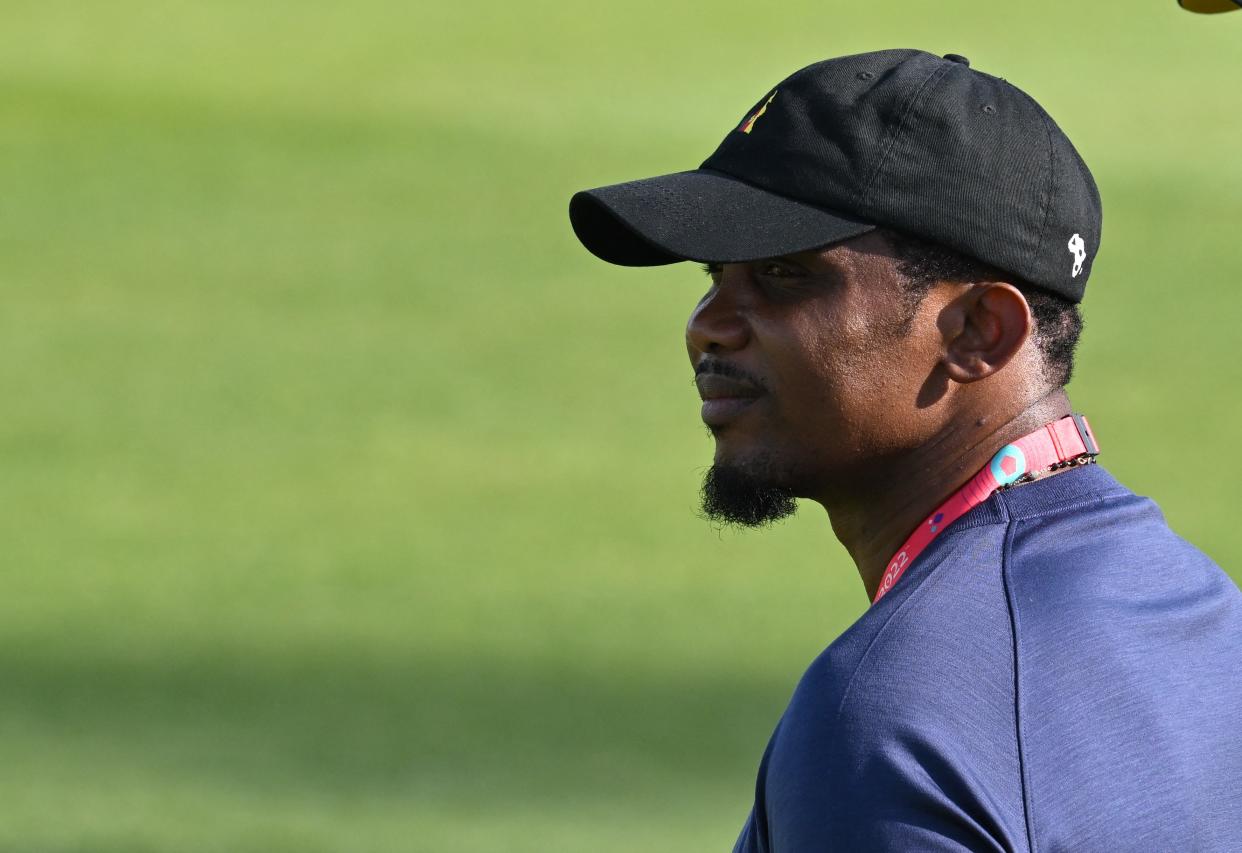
x=930, y=147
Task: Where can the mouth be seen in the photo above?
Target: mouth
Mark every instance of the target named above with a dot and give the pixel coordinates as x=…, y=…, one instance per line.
x=720, y=411
x=724, y=398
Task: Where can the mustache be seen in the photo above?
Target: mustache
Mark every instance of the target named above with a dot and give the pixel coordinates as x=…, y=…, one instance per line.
x=720, y=367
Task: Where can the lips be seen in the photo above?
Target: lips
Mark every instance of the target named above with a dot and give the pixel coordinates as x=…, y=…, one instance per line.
x=724, y=397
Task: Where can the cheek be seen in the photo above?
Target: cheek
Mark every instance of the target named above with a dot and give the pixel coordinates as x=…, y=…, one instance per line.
x=852, y=359
x=820, y=372
x=864, y=378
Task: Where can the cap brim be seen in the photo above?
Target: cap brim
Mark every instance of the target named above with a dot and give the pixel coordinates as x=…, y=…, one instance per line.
x=700, y=216
x=1209, y=7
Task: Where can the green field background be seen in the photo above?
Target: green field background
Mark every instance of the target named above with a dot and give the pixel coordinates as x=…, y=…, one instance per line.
x=349, y=505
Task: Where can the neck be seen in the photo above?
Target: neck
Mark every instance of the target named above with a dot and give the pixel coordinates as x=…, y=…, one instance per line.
x=873, y=522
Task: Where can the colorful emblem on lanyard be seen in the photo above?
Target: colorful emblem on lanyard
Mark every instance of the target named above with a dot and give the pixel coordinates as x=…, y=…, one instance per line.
x=1008, y=464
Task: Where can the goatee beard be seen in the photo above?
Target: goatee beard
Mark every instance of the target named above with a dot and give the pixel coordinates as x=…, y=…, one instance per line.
x=740, y=497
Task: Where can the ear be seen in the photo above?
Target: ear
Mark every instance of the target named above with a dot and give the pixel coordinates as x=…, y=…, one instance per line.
x=984, y=328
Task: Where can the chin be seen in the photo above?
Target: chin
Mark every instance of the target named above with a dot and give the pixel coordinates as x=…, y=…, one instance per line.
x=748, y=492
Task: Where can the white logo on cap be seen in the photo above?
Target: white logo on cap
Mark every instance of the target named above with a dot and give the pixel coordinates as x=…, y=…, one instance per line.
x=1079, y=248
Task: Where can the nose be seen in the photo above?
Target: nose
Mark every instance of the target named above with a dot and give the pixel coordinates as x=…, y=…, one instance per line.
x=718, y=323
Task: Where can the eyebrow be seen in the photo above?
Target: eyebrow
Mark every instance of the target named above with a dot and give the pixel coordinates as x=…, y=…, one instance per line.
x=820, y=261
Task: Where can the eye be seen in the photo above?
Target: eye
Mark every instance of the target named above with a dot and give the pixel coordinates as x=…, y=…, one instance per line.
x=777, y=269
x=713, y=270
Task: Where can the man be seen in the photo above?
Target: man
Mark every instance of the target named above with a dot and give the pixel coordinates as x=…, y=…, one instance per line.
x=896, y=246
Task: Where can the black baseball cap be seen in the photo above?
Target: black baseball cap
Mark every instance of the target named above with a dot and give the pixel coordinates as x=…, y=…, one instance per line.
x=897, y=138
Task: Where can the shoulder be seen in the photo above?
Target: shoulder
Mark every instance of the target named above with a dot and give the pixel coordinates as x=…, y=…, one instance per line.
x=1128, y=644
x=1092, y=560
x=1083, y=531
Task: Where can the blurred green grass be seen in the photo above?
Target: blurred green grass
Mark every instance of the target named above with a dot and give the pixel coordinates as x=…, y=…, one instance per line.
x=350, y=504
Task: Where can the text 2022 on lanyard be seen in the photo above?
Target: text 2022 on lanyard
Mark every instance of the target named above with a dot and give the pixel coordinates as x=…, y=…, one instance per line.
x=1064, y=440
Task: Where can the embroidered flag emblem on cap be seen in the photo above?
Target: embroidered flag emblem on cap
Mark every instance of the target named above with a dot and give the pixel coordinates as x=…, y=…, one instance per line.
x=749, y=123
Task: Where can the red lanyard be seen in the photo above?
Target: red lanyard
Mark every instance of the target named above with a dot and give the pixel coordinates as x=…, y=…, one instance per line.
x=1060, y=441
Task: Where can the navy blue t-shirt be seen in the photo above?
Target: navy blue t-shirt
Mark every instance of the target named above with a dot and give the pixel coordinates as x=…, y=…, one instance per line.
x=1058, y=671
